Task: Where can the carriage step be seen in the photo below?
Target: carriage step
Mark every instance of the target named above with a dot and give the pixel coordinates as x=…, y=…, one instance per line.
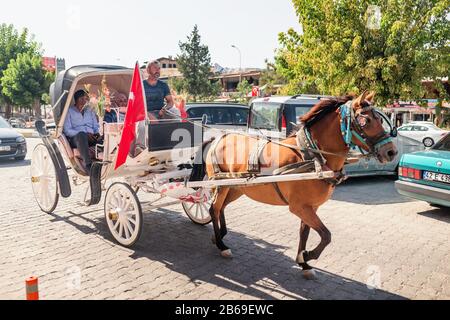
x=95, y=182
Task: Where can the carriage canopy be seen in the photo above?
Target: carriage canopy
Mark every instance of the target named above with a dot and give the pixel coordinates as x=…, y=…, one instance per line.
x=69, y=81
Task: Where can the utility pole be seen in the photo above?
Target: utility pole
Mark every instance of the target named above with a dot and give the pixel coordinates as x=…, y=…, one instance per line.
x=240, y=62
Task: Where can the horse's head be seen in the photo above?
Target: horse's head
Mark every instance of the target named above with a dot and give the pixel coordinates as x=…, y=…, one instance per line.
x=370, y=133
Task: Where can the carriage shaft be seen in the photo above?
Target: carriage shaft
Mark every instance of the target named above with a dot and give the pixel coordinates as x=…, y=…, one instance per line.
x=260, y=180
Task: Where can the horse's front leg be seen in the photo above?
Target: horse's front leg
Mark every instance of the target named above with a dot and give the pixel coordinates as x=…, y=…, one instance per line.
x=309, y=218
x=216, y=212
x=304, y=234
x=223, y=224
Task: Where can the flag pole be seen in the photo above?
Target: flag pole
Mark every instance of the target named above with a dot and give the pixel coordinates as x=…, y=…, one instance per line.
x=147, y=122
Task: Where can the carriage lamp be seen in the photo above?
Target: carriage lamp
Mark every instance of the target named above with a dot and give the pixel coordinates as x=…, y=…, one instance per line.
x=113, y=215
x=153, y=162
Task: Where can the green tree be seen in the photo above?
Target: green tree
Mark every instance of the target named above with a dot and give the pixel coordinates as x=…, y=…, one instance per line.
x=243, y=89
x=214, y=90
x=388, y=46
x=178, y=84
x=194, y=62
x=271, y=79
x=12, y=43
x=24, y=81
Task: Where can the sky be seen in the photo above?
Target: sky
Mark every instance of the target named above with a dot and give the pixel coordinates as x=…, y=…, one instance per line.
x=122, y=32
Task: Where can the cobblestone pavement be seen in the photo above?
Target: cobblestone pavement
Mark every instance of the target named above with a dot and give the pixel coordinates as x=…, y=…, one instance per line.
x=381, y=239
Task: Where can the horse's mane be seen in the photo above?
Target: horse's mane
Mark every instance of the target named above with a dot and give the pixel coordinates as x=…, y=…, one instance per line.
x=320, y=110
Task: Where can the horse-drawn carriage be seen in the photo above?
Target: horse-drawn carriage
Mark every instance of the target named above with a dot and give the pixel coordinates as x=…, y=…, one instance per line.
x=168, y=159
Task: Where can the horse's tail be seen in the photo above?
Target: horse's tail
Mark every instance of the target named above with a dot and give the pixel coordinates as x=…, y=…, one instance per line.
x=199, y=167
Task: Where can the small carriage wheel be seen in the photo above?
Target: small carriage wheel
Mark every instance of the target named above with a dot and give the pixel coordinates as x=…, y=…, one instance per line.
x=123, y=214
x=199, y=212
x=44, y=180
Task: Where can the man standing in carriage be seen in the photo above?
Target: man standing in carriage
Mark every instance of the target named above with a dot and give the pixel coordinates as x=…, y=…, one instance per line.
x=157, y=93
x=82, y=128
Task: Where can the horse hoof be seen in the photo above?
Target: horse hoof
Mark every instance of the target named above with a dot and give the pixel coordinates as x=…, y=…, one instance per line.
x=309, y=274
x=227, y=254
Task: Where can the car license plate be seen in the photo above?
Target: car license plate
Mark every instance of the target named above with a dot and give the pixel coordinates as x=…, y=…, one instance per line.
x=5, y=148
x=433, y=176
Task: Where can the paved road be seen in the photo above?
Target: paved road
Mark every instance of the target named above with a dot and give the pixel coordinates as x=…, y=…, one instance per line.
x=399, y=247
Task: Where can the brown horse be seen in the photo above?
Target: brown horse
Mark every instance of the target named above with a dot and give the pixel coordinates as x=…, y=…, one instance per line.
x=303, y=197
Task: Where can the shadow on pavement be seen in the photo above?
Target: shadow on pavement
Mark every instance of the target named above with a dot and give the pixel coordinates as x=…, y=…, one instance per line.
x=441, y=214
x=369, y=190
x=259, y=268
x=84, y=216
x=10, y=163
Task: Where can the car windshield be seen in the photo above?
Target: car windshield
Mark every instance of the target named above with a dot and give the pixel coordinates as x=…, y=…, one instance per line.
x=443, y=144
x=265, y=116
x=433, y=126
x=4, y=124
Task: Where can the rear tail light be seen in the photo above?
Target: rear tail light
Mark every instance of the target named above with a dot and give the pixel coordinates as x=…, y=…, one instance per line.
x=410, y=173
x=283, y=122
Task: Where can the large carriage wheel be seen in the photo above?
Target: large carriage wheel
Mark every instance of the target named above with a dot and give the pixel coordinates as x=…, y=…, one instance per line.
x=123, y=214
x=43, y=179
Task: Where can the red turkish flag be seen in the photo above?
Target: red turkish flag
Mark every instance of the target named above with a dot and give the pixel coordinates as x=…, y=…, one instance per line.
x=136, y=112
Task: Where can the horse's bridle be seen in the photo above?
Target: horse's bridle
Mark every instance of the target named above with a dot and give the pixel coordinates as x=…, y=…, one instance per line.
x=353, y=123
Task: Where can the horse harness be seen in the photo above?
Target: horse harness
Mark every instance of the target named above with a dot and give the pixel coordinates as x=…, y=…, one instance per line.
x=306, y=146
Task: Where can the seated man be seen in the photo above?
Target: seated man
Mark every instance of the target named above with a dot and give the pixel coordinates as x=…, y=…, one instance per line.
x=119, y=108
x=81, y=127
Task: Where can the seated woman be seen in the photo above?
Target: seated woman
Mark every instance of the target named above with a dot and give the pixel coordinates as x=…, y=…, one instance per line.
x=118, y=109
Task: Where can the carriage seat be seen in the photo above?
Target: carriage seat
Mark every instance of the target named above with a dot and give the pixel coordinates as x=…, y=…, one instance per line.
x=74, y=153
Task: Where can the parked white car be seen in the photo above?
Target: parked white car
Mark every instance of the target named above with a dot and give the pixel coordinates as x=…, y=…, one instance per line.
x=423, y=131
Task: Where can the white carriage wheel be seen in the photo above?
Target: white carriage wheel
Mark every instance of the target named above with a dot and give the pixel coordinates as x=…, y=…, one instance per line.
x=123, y=214
x=199, y=212
x=44, y=181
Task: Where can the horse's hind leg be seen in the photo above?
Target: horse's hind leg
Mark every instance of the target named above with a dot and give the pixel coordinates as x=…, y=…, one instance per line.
x=309, y=217
x=215, y=211
x=232, y=196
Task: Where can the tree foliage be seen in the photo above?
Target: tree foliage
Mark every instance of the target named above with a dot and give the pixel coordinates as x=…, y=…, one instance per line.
x=271, y=79
x=243, y=89
x=24, y=81
x=194, y=62
x=13, y=43
x=343, y=48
